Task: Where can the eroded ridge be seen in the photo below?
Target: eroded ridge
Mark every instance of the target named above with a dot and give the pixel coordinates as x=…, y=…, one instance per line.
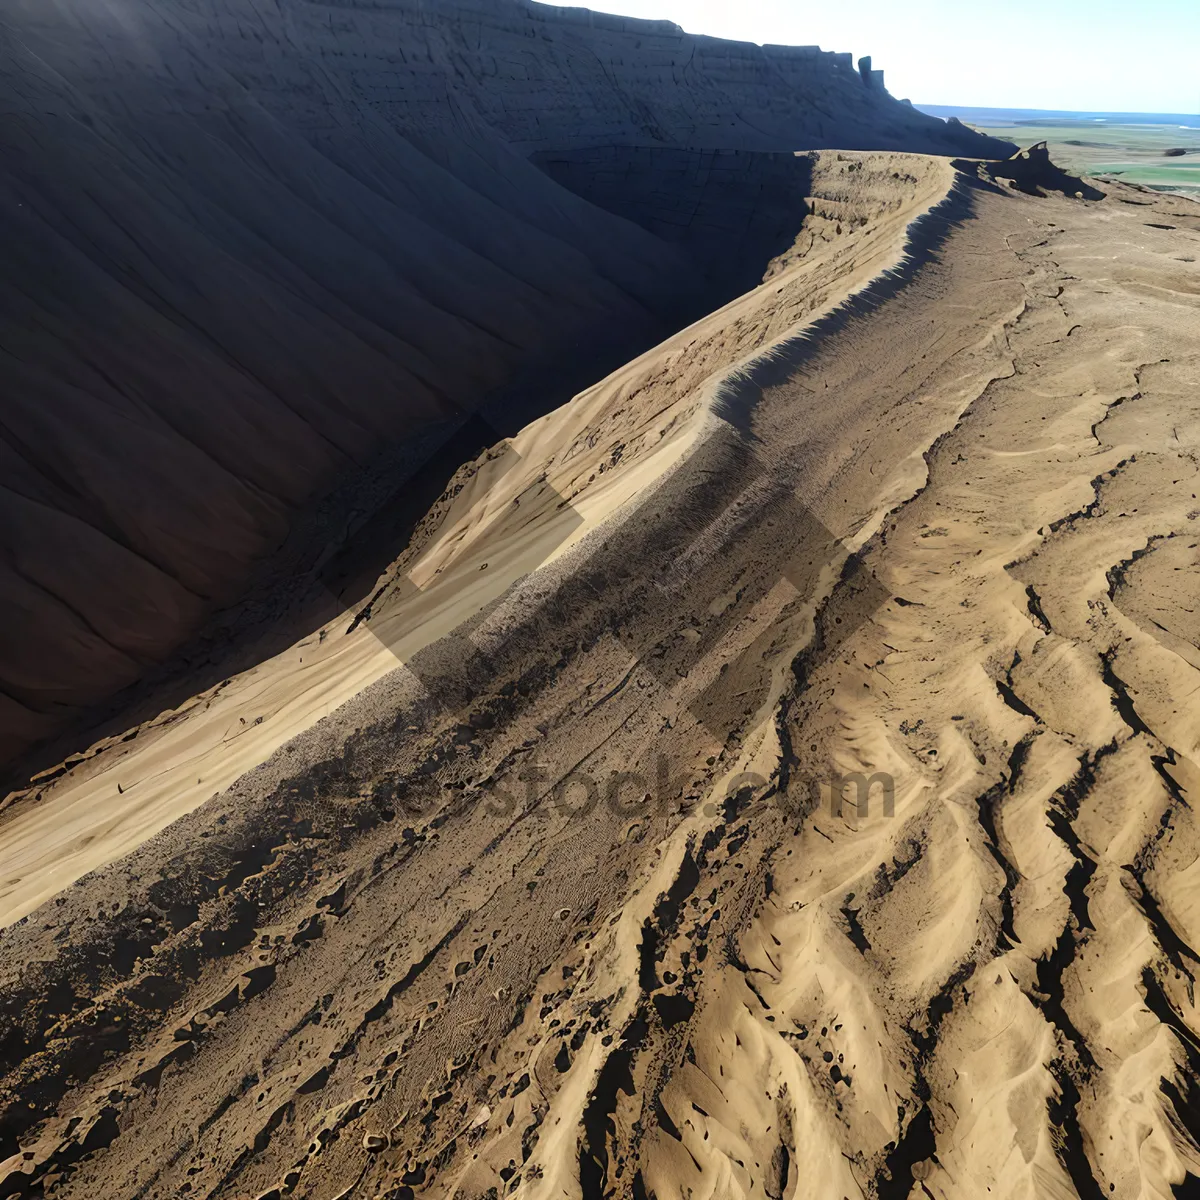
x=260, y=257
x=426, y=961
x=469, y=572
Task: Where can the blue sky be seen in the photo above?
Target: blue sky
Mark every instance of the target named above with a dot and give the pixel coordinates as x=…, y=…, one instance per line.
x=1136, y=56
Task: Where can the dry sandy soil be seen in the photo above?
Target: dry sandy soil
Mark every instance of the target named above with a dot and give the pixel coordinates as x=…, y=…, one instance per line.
x=565, y=905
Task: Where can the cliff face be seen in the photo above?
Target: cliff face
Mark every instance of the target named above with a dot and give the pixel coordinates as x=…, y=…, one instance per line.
x=249, y=246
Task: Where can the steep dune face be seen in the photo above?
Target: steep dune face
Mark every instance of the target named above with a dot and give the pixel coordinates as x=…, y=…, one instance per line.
x=207, y=325
x=527, y=502
x=248, y=248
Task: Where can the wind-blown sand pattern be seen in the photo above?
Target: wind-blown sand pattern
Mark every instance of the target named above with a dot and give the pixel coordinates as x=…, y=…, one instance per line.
x=525, y=874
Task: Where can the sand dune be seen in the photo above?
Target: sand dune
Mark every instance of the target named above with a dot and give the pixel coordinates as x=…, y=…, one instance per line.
x=506, y=511
x=252, y=251
x=564, y=905
x=770, y=773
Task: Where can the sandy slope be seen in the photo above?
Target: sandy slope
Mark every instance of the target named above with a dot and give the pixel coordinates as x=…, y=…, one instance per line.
x=506, y=512
x=515, y=920
x=253, y=248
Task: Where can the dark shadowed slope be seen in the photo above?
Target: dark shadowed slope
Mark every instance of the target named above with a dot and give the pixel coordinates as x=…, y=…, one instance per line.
x=247, y=247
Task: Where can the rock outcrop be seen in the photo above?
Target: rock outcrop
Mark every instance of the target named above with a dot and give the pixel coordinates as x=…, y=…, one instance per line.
x=247, y=248
x=872, y=78
x=1033, y=172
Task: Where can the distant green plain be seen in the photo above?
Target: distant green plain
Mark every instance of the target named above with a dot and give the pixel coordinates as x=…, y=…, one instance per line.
x=1131, y=153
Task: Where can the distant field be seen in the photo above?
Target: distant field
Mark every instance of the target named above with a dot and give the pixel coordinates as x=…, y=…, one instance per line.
x=1130, y=151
